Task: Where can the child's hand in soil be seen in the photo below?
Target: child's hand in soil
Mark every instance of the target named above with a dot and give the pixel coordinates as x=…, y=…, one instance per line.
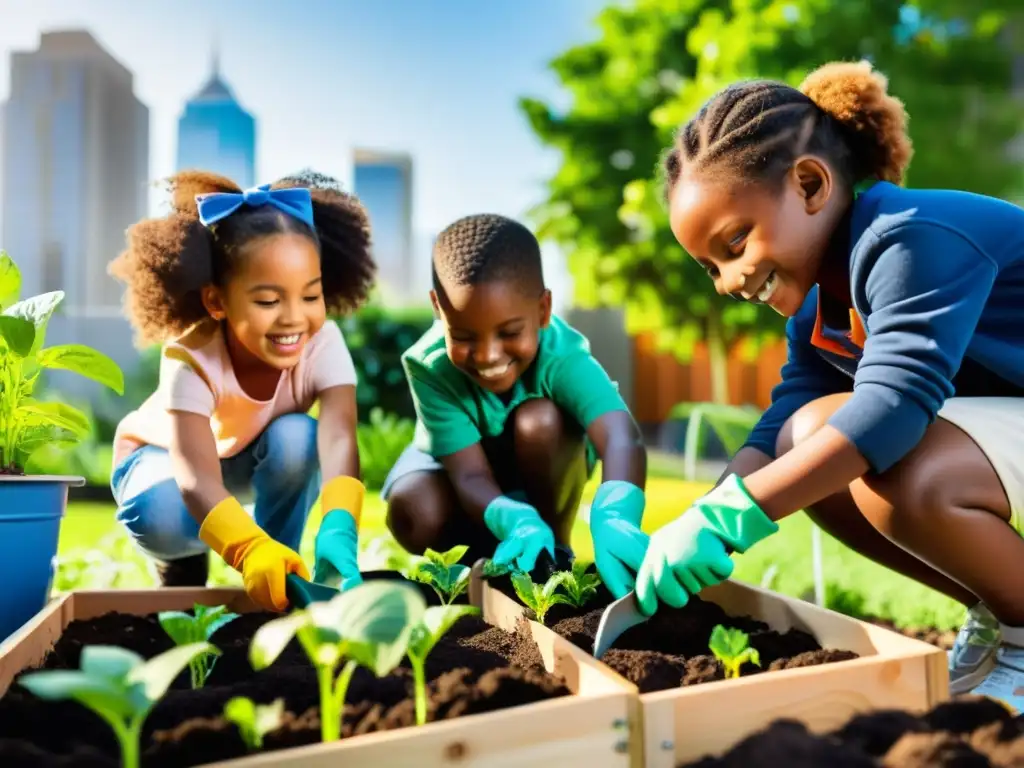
x=619, y=544
x=692, y=552
x=247, y=548
x=523, y=534
x=336, y=551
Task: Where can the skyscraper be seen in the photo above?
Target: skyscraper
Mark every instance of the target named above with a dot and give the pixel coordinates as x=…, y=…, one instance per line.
x=216, y=134
x=383, y=182
x=76, y=162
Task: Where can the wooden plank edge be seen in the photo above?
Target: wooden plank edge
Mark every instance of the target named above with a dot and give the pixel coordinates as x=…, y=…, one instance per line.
x=607, y=696
x=563, y=731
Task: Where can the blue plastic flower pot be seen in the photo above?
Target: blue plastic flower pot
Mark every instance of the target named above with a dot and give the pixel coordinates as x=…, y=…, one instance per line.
x=31, y=508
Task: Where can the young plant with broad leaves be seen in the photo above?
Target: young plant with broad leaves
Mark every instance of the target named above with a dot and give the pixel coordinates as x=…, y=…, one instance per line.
x=580, y=584
x=442, y=571
x=732, y=648
x=118, y=685
x=540, y=598
x=254, y=721
x=27, y=424
x=368, y=625
x=433, y=625
x=185, y=629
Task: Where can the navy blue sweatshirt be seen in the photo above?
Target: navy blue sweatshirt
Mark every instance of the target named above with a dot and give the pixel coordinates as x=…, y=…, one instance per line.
x=933, y=307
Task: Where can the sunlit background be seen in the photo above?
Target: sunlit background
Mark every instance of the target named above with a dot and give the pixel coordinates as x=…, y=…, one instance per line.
x=551, y=111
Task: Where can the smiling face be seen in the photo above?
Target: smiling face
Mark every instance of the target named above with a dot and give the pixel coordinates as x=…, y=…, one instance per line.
x=273, y=301
x=492, y=330
x=756, y=243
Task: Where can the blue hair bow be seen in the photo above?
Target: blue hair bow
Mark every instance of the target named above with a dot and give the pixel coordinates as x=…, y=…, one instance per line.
x=295, y=201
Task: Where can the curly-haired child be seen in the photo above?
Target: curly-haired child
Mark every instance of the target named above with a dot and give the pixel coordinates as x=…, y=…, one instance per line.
x=237, y=286
x=513, y=414
x=898, y=421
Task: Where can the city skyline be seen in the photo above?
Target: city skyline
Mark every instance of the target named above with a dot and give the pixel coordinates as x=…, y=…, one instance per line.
x=216, y=133
x=438, y=82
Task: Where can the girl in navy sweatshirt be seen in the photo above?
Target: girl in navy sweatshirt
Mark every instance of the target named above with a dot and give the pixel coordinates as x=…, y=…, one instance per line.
x=899, y=421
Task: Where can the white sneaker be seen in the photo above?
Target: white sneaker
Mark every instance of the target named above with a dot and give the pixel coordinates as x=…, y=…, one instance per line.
x=973, y=655
x=1005, y=683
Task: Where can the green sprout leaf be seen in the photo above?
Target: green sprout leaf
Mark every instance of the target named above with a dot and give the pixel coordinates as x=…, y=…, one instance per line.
x=17, y=335
x=731, y=647
x=436, y=621
x=442, y=572
x=254, y=721
x=26, y=426
x=84, y=361
x=118, y=685
x=368, y=625
x=580, y=584
x=540, y=598
x=184, y=629
x=10, y=281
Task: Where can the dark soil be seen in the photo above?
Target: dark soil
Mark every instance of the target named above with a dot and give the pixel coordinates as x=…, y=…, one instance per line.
x=671, y=649
x=475, y=668
x=969, y=732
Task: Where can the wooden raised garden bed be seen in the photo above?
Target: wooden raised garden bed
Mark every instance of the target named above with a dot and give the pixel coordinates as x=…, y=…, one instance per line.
x=815, y=666
x=495, y=698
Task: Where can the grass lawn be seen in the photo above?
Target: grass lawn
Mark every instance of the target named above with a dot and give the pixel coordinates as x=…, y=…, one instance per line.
x=787, y=554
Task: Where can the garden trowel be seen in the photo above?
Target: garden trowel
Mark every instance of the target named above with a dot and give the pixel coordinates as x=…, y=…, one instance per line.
x=621, y=615
x=301, y=593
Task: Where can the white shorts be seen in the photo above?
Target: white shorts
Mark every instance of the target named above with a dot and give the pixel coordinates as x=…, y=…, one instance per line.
x=996, y=424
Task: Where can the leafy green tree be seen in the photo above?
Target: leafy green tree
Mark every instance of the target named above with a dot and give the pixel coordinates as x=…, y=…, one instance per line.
x=655, y=62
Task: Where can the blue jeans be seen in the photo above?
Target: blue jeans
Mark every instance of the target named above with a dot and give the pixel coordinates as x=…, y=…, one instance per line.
x=281, y=469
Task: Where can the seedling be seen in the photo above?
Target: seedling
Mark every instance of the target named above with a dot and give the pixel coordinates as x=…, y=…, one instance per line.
x=493, y=571
x=432, y=626
x=730, y=647
x=540, y=598
x=442, y=571
x=368, y=625
x=254, y=721
x=580, y=584
x=184, y=629
x=118, y=685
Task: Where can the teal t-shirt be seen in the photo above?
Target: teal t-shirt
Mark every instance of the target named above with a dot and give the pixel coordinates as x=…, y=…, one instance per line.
x=453, y=412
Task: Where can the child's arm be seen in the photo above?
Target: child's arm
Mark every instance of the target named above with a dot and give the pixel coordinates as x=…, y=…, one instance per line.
x=924, y=311
x=336, y=434
x=224, y=525
x=336, y=549
x=581, y=386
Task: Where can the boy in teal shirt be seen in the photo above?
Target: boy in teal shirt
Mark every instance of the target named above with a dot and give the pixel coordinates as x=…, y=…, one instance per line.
x=513, y=413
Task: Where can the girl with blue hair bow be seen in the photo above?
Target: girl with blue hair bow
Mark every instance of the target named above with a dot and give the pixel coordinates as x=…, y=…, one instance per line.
x=237, y=287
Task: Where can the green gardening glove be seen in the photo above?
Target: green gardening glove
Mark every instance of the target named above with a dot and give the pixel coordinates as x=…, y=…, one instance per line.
x=690, y=553
x=522, y=533
x=336, y=551
x=619, y=544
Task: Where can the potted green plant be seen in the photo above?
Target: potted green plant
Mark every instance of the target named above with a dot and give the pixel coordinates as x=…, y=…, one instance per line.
x=32, y=506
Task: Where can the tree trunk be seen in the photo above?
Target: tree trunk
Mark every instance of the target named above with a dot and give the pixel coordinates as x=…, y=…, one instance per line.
x=718, y=358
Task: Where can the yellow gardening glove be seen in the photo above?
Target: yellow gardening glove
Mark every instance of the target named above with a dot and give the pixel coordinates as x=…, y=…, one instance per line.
x=246, y=547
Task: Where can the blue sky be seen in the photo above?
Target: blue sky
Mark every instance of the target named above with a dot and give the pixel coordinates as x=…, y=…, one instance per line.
x=436, y=78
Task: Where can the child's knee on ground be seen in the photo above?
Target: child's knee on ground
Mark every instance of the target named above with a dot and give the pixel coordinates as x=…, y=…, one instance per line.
x=160, y=524
x=420, y=506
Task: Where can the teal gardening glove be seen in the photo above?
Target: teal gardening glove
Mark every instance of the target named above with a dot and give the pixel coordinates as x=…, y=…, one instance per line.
x=336, y=551
x=619, y=544
x=690, y=553
x=522, y=533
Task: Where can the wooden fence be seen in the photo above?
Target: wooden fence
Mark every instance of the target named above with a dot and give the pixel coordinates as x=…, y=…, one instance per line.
x=660, y=380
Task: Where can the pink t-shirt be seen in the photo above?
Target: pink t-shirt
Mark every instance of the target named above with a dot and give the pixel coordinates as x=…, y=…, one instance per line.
x=196, y=376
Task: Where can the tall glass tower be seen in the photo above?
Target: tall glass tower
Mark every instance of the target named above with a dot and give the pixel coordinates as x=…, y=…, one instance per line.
x=216, y=134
